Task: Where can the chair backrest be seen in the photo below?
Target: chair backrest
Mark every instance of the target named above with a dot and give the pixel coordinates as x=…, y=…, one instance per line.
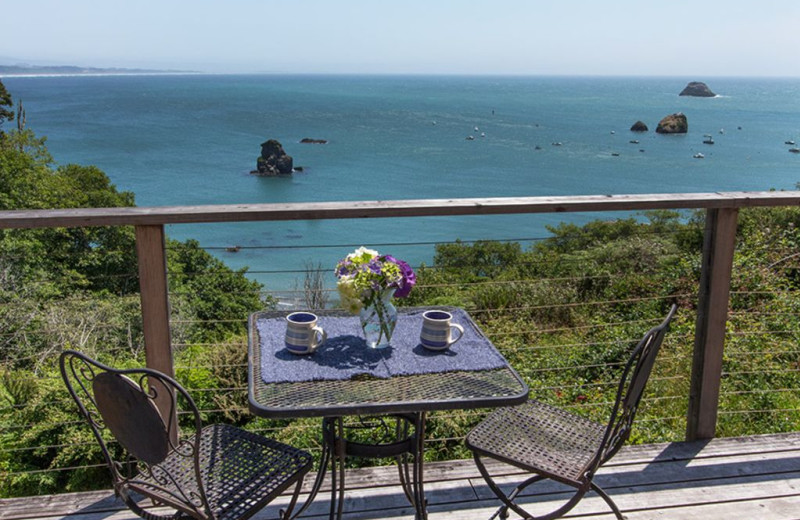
x=120, y=402
x=630, y=390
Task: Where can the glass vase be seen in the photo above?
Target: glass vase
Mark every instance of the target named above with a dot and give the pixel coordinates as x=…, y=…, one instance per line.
x=378, y=319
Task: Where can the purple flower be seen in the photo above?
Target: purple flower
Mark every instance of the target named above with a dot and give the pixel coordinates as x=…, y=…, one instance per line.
x=409, y=279
x=375, y=265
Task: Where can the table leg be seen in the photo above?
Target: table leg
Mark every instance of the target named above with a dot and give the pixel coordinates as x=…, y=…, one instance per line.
x=413, y=481
x=336, y=448
x=339, y=456
x=402, y=461
x=420, y=503
x=328, y=443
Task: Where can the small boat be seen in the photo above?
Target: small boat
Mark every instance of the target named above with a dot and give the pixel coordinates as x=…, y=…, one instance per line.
x=698, y=155
x=794, y=150
x=789, y=142
x=483, y=134
x=557, y=143
x=614, y=154
x=710, y=140
x=613, y=132
x=470, y=138
x=634, y=141
x=233, y=249
x=476, y=128
x=721, y=130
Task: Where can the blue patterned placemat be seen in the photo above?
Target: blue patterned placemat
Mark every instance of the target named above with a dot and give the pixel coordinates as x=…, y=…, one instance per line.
x=345, y=354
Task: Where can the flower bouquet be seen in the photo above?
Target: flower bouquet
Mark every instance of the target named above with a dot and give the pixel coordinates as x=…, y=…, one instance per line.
x=367, y=282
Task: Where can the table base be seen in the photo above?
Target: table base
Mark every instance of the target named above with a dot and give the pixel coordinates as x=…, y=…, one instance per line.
x=407, y=449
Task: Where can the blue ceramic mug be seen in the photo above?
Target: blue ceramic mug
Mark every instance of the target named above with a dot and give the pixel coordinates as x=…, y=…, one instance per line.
x=303, y=336
x=437, y=330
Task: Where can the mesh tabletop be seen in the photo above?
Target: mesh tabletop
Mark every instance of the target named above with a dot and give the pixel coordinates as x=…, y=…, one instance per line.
x=365, y=395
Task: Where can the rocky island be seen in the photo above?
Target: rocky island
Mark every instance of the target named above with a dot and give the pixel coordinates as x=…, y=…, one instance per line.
x=673, y=124
x=697, y=89
x=273, y=160
x=639, y=126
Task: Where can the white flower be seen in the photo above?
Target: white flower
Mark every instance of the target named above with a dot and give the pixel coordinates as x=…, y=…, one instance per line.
x=361, y=252
x=349, y=296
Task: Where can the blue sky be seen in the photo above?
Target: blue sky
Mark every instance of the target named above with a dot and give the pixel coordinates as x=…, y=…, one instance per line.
x=581, y=37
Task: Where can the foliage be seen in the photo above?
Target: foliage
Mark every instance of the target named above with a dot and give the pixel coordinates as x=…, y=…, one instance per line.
x=483, y=259
x=6, y=114
x=220, y=298
x=216, y=378
x=43, y=436
x=93, y=258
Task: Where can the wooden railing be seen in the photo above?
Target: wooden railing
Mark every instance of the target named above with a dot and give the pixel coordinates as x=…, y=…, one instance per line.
x=713, y=298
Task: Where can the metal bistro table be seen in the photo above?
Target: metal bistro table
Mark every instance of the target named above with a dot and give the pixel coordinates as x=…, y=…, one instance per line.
x=318, y=389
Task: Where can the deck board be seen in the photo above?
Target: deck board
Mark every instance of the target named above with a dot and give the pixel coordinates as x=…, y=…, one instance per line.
x=721, y=479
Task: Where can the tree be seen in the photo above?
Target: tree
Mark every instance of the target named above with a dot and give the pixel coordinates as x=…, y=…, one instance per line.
x=6, y=114
x=219, y=297
x=97, y=258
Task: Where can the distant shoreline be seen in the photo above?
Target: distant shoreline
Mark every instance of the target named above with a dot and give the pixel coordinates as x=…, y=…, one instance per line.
x=24, y=71
x=71, y=70
x=101, y=74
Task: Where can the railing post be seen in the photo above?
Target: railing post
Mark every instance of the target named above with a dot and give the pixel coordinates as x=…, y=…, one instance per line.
x=712, y=315
x=151, y=253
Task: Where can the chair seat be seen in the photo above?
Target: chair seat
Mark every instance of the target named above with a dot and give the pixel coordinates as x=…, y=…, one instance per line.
x=540, y=438
x=241, y=471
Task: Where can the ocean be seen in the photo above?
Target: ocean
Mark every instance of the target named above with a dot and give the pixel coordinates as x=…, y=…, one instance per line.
x=193, y=139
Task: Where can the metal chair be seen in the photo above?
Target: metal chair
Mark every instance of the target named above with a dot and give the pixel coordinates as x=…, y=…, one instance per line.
x=216, y=472
x=561, y=446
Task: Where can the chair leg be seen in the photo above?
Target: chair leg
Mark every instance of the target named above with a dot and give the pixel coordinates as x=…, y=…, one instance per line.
x=503, y=511
x=597, y=489
x=285, y=514
x=508, y=500
x=144, y=513
x=507, y=503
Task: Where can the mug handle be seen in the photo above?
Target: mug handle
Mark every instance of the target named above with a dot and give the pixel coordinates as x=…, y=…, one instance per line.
x=460, y=331
x=320, y=333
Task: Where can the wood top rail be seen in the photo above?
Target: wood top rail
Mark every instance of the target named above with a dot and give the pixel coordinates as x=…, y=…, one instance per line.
x=24, y=219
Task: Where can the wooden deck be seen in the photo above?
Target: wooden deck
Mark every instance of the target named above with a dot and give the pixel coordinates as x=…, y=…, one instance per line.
x=737, y=478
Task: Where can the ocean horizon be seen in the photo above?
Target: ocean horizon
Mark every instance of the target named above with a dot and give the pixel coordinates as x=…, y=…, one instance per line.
x=186, y=139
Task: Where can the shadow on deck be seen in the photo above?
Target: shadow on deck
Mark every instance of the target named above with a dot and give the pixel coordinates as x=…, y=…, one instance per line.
x=730, y=479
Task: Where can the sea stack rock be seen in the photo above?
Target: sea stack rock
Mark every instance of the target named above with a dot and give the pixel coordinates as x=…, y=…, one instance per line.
x=273, y=160
x=697, y=89
x=639, y=126
x=673, y=124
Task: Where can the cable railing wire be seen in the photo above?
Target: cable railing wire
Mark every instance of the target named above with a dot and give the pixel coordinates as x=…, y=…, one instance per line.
x=642, y=232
